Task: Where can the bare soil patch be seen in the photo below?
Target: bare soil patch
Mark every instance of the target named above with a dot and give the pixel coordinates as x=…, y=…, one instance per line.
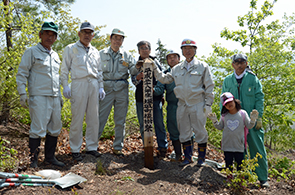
x=126, y=175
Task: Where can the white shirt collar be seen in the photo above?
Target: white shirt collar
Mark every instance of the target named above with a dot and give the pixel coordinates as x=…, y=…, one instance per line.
x=241, y=75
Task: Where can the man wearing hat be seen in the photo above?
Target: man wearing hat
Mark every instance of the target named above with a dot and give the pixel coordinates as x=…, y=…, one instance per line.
x=194, y=90
x=173, y=59
x=39, y=68
x=144, y=50
x=116, y=64
x=245, y=86
x=83, y=61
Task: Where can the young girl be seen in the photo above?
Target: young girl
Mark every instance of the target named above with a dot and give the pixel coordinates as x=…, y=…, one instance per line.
x=233, y=122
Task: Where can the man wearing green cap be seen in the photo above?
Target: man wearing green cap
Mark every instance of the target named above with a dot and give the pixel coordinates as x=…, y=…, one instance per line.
x=116, y=64
x=39, y=68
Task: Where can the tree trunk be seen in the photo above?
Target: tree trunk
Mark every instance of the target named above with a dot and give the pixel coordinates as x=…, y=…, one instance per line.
x=5, y=98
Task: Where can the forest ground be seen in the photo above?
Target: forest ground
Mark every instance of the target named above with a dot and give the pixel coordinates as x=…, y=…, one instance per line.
x=127, y=175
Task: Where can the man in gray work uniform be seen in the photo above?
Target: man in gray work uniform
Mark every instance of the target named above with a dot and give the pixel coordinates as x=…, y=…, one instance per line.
x=116, y=63
x=39, y=68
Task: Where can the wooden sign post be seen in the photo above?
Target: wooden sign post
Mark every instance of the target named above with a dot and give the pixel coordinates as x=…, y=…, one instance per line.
x=148, y=113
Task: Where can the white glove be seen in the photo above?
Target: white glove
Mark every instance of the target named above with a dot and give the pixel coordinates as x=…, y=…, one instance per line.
x=102, y=94
x=213, y=117
x=207, y=110
x=24, y=100
x=254, y=115
x=67, y=92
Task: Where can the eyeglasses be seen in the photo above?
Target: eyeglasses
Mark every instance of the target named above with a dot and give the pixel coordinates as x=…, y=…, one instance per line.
x=87, y=32
x=144, y=48
x=240, y=62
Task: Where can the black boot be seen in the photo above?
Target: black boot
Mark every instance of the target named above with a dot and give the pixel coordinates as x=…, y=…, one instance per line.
x=34, y=144
x=202, y=153
x=177, y=148
x=50, y=145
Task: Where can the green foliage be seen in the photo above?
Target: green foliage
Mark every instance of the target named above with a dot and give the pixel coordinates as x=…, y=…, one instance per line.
x=127, y=178
x=22, y=34
x=68, y=31
x=161, y=53
x=8, y=159
x=281, y=168
x=271, y=57
x=239, y=181
x=36, y=7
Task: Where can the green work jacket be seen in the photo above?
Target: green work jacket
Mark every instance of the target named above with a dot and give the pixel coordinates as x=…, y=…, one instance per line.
x=249, y=92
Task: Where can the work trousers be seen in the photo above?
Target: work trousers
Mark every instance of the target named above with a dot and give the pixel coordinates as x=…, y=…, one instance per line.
x=45, y=116
x=84, y=99
x=255, y=139
x=191, y=117
x=172, y=121
x=120, y=100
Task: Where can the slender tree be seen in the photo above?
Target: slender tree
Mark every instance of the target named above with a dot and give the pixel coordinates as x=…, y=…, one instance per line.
x=161, y=53
x=271, y=57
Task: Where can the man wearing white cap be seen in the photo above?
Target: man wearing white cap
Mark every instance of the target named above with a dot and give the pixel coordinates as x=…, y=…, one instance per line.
x=194, y=90
x=39, y=68
x=173, y=59
x=83, y=61
x=116, y=64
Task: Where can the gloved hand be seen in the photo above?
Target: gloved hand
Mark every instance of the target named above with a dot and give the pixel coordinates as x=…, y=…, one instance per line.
x=258, y=123
x=139, y=64
x=254, y=115
x=24, y=100
x=212, y=117
x=207, y=110
x=102, y=94
x=67, y=92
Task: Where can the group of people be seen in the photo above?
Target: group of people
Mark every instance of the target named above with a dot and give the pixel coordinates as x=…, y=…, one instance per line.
x=99, y=81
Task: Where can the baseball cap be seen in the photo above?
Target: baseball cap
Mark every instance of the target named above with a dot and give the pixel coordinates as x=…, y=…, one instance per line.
x=49, y=26
x=188, y=42
x=169, y=52
x=226, y=97
x=86, y=25
x=117, y=31
x=240, y=56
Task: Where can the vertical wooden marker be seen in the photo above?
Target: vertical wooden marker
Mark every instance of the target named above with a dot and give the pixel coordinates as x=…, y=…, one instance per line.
x=148, y=113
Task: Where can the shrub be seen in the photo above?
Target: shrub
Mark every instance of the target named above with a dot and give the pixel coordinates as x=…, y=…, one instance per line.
x=238, y=181
x=8, y=159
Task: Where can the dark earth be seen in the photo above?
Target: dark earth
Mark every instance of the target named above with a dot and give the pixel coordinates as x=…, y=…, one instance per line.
x=126, y=175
